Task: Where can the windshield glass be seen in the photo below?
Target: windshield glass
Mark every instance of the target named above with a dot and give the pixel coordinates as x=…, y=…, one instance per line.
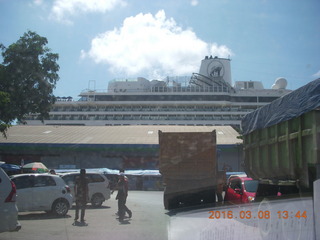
x=165, y=106
x=251, y=185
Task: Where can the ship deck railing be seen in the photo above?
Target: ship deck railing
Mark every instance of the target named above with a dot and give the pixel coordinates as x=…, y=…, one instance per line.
x=194, y=89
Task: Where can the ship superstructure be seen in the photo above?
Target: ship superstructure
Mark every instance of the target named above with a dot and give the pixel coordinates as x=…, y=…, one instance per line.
x=206, y=98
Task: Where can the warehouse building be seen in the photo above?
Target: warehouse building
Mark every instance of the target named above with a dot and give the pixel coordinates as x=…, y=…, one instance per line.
x=115, y=147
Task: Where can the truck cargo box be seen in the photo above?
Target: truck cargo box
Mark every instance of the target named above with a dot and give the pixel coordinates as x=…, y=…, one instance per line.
x=189, y=167
x=185, y=154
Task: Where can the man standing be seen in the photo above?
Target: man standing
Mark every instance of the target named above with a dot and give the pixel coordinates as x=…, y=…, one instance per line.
x=122, y=197
x=81, y=194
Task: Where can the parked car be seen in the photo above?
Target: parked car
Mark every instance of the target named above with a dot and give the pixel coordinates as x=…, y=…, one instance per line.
x=10, y=169
x=42, y=192
x=8, y=208
x=99, y=189
x=241, y=189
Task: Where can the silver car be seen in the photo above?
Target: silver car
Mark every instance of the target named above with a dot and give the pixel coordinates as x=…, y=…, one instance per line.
x=42, y=192
x=8, y=208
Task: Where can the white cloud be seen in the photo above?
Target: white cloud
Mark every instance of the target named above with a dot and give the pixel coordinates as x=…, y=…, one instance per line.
x=223, y=51
x=37, y=2
x=152, y=46
x=194, y=2
x=63, y=9
x=317, y=75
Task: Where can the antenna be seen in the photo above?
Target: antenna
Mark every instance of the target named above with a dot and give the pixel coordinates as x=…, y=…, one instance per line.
x=90, y=83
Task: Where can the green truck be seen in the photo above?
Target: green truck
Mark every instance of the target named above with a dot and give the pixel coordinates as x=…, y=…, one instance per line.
x=282, y=142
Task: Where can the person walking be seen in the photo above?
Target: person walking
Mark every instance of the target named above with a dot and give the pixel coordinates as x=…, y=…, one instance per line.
x=81, y=195
x=122, y=197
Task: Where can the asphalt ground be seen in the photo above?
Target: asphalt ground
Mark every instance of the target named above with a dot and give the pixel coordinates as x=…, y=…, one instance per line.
x=287, y=218
x=149, y=221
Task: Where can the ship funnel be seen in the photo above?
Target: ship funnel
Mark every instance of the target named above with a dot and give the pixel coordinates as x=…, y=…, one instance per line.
x=216, y=69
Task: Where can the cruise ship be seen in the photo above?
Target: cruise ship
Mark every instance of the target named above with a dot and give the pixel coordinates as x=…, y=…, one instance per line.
x=207, y=98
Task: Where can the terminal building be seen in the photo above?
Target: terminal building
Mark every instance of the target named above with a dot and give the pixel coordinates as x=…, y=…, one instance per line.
x=114, y=147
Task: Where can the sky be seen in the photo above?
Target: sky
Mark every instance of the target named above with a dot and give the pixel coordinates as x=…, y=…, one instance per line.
x=101, y=40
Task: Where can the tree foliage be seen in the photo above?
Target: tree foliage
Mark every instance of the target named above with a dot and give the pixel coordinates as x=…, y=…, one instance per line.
x=28, y=75
x=4, y=107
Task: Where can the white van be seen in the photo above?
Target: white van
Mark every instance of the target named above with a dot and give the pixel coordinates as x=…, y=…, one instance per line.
x=99, y=189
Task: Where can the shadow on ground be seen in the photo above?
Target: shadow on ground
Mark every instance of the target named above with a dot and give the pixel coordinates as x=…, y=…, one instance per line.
x=80, y=224
x=48, y=215
x=40, y=216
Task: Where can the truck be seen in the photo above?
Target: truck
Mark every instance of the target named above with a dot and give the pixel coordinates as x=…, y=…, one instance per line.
x=281, y=143
x=188, y=165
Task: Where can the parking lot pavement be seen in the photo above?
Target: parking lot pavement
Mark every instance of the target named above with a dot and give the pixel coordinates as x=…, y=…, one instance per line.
x=149, y=221
x=280, y=219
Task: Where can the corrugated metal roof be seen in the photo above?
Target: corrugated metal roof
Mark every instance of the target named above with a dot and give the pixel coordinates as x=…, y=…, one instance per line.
x=108, y=134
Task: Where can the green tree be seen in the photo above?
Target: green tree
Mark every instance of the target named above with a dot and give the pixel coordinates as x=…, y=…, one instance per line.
x=28, y=75
x=4, y=106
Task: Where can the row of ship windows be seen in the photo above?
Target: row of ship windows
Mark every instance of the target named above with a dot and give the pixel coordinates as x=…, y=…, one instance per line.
x=150, y=109
x=143, y=117
x=190, y=89
x=177, y=89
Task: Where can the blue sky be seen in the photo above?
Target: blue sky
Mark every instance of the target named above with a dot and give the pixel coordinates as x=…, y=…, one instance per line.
x=100, y=40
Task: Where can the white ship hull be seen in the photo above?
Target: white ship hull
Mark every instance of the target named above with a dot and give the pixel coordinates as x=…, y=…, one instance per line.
x=208, y=99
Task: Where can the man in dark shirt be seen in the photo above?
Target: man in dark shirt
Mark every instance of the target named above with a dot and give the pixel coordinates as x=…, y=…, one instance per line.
x=122, y=197
x=81, y=194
